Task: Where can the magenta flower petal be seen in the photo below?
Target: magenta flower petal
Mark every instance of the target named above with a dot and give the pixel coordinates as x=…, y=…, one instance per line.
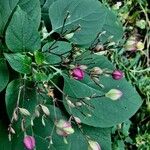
x=117, y=74
x=78, y=73
x=29, y=142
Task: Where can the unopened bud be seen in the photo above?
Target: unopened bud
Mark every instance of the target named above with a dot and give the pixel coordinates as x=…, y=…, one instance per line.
x=77, y=120
x=78, y=104
x=96, y=71
x=117, y=74
x=83, y=67
x=140, y=45
x=131, y=44
x=70, y=103
x=15, y=116
x=114, y=94
x=24, y=112
x=99, y=48
x=93, y=145
x=87, y=98
x=77, y=73
x=69, y=36
x=29, y=142
x=45, y=110
x=63, y=128
x=37, y=113
x=12, y=130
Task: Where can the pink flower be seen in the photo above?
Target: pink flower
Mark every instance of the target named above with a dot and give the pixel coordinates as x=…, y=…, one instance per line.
x=63, y=128
x=77, y=73
x=29, y=142
x=117, y=74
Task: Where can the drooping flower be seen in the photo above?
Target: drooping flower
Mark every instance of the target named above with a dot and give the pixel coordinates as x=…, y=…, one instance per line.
x=93, y=145
x=117, y=74
x=114, y=94
x=29, y=142
x=63, y=128
x=78, y=73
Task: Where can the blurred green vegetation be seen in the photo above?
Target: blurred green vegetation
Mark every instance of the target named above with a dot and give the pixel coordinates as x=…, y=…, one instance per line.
x=134, y=59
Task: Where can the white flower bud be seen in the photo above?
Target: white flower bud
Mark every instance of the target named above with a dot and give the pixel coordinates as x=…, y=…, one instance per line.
x=24, y=112
x=114, y=94
x=45, y=110
x=93, y=145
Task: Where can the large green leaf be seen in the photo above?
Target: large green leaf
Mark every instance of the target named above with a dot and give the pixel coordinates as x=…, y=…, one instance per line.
x=76, y=140
x=21, y=34
x=20, y=63
x=27, y=98
x=55, y=53
x=91, y=15
x=46, y=5
x=4, y=75
x=33, y=9
x=59, y=48
x=4, y=142
x=6, y=8
x=101, y=111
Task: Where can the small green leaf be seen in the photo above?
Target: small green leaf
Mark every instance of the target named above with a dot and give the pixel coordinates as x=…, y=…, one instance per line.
x=21, y=34
x=20, y=63
x=39, y=57
x=52, y=58
x=4, y=75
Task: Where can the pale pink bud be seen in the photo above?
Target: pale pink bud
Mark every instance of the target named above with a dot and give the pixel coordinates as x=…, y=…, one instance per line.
x=29, y=142
x=93, y=145
x=63, y=127
x=96, y=71
x=117, y=74
x=77, y=73
x=114, y=94
x=131, y=44
x=99, y=48
x=77, y=120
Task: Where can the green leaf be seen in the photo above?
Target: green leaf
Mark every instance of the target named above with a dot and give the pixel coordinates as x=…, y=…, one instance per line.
x=27, y=98
x=112, y=27
x=90, y=15
x=6, y=8
x=33, y=10
x=100, y=111
x=59, y=48
x=39, y=57
x=4, y=75
x=21, y=34
x=20, y=63
x=55, y=52
x=47, y=5
x=52, y=59
x=4, y=142
x=76, y=140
